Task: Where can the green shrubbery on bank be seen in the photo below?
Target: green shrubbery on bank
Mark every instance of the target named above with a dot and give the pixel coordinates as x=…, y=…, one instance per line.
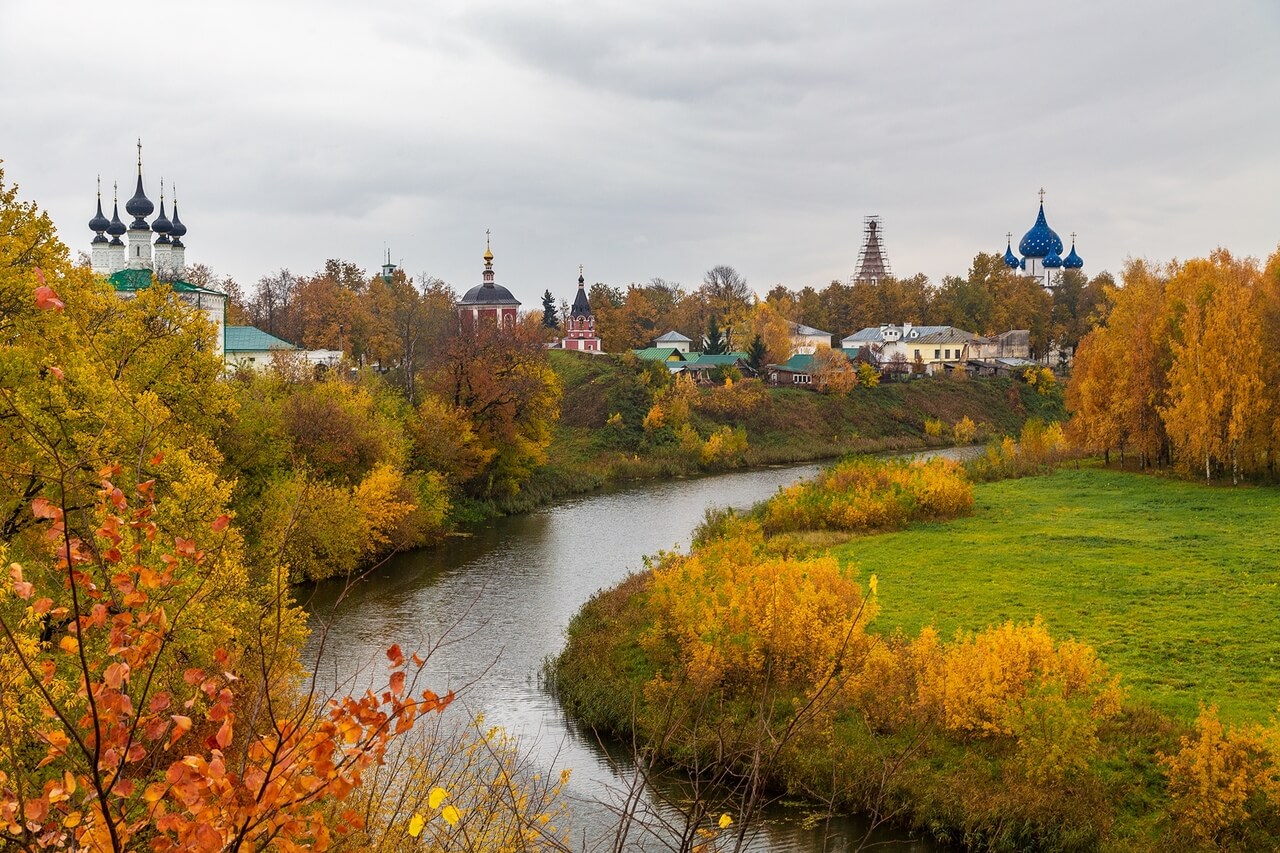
x=1000, y=737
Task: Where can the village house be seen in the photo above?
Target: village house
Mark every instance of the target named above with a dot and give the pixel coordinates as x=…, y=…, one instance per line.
x=806, y=339
x=919, y=349
x=673, y=339
x=798, y=371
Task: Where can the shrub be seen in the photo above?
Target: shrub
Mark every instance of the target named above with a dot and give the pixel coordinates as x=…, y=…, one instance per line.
x=733, y=614
x=933, y=427
x=1221, y=777
x=965, y=430
x=867, y=494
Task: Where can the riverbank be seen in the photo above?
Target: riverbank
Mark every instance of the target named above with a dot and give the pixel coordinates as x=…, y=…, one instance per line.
x=601, y=438
x=1169, y=580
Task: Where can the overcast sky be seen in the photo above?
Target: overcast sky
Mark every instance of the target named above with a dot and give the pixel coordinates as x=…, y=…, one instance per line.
x=652, y=137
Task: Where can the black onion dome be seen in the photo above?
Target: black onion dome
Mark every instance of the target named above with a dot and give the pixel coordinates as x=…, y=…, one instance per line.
x=162, y=225
x=178, y=230
x=116, y=227
x=488, y=294
x=99, y=222
x=139, y=206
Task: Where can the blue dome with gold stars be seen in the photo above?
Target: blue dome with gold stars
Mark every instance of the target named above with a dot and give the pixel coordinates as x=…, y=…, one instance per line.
x=1041, y=241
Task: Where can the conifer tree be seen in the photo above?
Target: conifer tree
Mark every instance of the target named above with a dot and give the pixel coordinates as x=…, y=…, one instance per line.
x=549, y=315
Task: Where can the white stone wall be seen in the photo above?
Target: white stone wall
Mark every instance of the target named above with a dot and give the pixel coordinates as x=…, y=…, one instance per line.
x=101, y=258
x=140, y=249
x=163, y=263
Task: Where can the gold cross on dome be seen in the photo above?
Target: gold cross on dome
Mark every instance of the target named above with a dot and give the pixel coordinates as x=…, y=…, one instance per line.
x=1009, y=236
x=1073, y=238
x=579, y=269
x=1042, y=195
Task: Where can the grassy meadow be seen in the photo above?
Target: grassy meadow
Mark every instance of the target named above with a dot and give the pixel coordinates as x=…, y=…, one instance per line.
x=1176, y=584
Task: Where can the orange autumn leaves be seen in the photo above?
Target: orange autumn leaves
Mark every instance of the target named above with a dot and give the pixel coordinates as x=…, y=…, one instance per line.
x=131, y=755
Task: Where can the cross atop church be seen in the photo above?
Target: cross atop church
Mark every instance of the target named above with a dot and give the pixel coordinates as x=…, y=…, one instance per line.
x=1042, y=195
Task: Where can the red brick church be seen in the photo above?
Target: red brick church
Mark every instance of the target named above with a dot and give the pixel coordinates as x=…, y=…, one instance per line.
x=488, y=300
x=580, y=327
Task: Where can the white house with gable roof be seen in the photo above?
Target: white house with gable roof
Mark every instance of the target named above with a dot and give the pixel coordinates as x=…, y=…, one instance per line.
x=930, y=349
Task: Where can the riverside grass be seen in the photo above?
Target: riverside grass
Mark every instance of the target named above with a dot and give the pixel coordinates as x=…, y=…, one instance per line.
x=1177, y=585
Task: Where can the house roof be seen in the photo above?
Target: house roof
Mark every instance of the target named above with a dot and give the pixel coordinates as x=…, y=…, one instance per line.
x=251, y=339
x=948, y=335
x=135, y=279
x=672, y=337
x=807, y=331
x=659, y=354
x=714, y=359
x=876, y=334
x=803, y=362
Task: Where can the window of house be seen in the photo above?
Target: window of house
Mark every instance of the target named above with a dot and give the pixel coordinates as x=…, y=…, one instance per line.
x=937, y=353
x=948, y=356
x=917, y=353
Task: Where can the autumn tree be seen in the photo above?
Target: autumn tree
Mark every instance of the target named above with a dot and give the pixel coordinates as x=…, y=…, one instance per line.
x=1215, y=414
x=500, y=378
x=413, y=321
x=774, y=331
x=117, y=735
x=833, y=372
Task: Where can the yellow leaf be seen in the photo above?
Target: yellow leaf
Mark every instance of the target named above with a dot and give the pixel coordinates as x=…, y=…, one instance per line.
x=72, y=820
x=416, y=823
x=725, y=819
x=872, y=584
x=69, y=645
x=436, y=797
x=450, y=815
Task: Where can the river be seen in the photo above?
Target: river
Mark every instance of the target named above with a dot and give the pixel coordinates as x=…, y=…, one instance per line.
x=504, y=596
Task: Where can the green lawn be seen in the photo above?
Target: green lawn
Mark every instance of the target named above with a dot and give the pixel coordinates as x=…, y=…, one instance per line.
x=1176, y=584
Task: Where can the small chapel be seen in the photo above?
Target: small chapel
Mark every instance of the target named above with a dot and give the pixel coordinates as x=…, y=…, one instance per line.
x=580, y=325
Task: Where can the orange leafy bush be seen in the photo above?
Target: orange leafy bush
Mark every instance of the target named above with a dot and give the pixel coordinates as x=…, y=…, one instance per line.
x=735, y=613
x=113, y=742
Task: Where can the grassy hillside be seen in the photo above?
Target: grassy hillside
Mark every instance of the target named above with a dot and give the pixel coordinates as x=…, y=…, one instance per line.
x=782, y=425
x=1176, y=584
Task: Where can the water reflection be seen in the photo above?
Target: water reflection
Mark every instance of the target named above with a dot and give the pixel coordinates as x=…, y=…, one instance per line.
x=495, y=604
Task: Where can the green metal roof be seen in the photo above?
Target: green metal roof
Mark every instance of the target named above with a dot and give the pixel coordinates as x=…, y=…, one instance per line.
x=803, y=362
x=251, y=339
x=134, y=279
x=725, y=358
x=659, y=354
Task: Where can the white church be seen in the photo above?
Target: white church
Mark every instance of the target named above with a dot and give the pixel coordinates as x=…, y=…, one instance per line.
x=130, y=268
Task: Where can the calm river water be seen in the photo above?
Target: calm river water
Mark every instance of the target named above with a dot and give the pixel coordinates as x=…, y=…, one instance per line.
x=509, y=591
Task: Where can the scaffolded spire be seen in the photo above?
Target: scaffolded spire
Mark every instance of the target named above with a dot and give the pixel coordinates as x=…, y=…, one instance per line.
x=873, y=266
